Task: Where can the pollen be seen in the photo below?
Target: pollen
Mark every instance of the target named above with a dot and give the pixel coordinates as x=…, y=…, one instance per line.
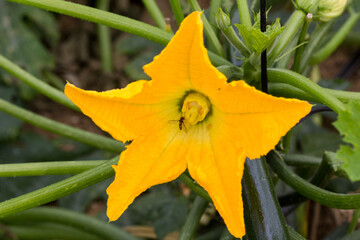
x=195, y=108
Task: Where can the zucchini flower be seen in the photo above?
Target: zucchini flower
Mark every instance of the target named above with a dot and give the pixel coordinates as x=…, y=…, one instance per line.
x=188, y=116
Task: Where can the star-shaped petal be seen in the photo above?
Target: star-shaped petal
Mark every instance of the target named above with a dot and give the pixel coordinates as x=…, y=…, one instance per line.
x=188, y=116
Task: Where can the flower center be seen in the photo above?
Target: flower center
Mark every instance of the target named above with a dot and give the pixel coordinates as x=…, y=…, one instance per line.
x=195, y=108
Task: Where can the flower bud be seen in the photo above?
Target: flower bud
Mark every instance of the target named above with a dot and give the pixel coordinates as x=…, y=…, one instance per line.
x=308, y=6
x=222, y=20
x=329, y=9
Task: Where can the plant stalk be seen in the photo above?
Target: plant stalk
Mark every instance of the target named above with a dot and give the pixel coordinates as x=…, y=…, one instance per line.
x=104, y=38
x=112, y=20
x=244, y=13
x=47, y=168
x=289, y=91
x=292, y=26
x=335, y=41
x=209, y=31
x=60, y=189
x=192, y=221
x=324, y=197
x=176, y=8
x=155, y=13
x=37, y=84
x=306, y=85
x=65, y=217
x=83, y=136
x=299, y=51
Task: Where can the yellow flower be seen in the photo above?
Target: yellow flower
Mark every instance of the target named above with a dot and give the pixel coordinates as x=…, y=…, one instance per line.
x=187, y=116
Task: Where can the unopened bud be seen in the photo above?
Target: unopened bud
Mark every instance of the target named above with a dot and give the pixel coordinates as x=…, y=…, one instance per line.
x=222, y=20
x=308, y=6
x=329, y=9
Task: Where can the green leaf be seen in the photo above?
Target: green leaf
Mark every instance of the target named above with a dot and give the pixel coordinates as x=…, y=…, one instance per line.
x=22, y=28
x=348, y=125
x=160, y=206
x=256, y=40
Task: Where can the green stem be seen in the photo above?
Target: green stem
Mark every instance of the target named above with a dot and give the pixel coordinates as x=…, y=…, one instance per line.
x=244, y=13
x=287, y=141
x=292, y=26
x=228, y=31
x=104, y=39
x=314, y=42
x=47, y=168
x=75, y=167
x=179, y=15
x=194, y=187
x=49, y=231
x=354, y=221
x=212, y=38
x=102, y=17
x=324, y=197
x=70, y=218
x=54, y=80
x=320, y=179
x=112, y=20
x=285, y=90
x=59, y=189
x=214, y=6
x=301, y=160
x=36, y=83
x=299, y=51
x=235, y=41
x=193, y=219
x=62, y=129
x=155, y=13
x=305, y=84
x=231, y=72
x=335, y=41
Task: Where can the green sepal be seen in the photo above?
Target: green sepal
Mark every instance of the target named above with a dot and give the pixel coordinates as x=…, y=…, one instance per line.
x=348, y=125
x=256, y=40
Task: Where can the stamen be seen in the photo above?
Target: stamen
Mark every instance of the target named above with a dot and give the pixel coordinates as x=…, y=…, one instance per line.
x=195, y=108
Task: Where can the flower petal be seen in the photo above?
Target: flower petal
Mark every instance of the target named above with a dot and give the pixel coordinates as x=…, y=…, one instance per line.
x=156, y=157
x=129, y=112
x=257, y=120
x=184, y=61
x=216, y=163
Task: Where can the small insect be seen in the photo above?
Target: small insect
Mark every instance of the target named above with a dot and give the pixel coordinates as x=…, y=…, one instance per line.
x=181, y=123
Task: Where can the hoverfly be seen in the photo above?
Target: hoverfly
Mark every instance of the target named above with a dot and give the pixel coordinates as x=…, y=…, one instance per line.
x=182, y=124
